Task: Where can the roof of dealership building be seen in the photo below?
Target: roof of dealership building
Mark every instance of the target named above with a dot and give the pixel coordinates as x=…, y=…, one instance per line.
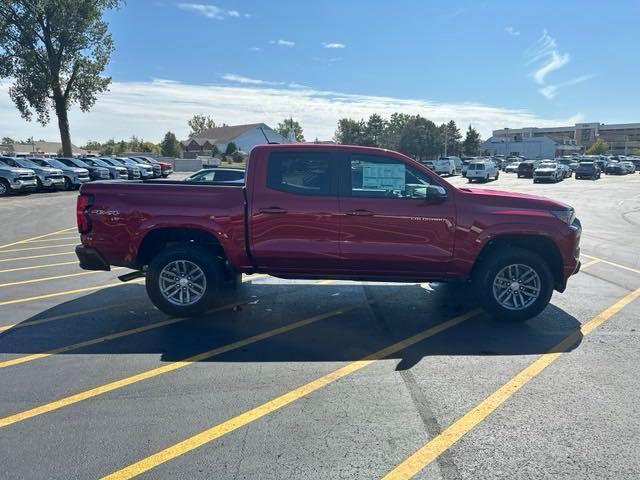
x=38, y=147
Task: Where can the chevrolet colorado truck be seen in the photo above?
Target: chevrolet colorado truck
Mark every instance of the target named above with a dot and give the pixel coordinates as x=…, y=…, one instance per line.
x=329, y=212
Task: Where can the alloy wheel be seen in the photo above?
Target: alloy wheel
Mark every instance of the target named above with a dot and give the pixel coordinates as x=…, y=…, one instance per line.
x=516, y=287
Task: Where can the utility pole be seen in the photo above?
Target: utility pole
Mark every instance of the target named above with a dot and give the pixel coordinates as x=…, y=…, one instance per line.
x=446, y=138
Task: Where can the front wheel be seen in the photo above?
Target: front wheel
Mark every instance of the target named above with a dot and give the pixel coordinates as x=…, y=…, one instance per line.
x=514, y=284
x=67, y=184
x=5, y=189
x=185, y=280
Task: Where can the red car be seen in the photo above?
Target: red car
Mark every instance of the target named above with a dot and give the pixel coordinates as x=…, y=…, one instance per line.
x=330, y=212
x=166, y=168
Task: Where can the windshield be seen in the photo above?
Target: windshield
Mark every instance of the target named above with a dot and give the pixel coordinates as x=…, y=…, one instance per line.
x=96, y=162
x=25, y=162
x=56, y=163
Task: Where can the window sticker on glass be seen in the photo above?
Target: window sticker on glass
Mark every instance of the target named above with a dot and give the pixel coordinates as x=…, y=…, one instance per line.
x=383, y=176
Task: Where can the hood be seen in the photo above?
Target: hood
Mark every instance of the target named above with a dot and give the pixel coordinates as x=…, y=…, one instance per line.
x=511, y=199
x=48, y=170
x=78, y=170
x=15, y=170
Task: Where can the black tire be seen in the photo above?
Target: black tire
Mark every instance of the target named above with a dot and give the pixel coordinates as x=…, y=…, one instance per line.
x=67, y=184
x=5, y=188
x=202, y=258
x=497, y=175
x=40, y=186
x=485, y=274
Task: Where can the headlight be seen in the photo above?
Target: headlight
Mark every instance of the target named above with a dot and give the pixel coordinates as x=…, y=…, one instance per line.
x=566, y=216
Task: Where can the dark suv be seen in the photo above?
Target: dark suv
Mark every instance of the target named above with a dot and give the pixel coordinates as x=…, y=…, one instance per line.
x=589, y=170
x=526, y=168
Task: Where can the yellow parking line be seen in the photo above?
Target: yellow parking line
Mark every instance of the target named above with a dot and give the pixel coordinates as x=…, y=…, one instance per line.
x=60, y=317
x=39, y=248
x=170, y=367
x=37, y=238
x=55, y=239
x=15, y=259
x=55, y=277
x=624, y=267
x=34, y=267
x=435, y=447
x=589, y=264
x=66, y=292
x=277, y=403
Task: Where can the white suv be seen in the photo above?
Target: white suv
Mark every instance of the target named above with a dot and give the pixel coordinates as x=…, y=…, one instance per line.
x=482, y=170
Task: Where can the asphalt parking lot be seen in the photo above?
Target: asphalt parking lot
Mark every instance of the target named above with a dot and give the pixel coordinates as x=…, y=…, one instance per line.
x=319, y=379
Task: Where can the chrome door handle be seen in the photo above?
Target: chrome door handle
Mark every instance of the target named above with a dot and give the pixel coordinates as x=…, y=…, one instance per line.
x=360, y=213
x=273, y=210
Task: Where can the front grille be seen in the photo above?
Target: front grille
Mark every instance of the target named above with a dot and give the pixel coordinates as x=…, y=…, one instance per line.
x=56, y=177
x=27, y=176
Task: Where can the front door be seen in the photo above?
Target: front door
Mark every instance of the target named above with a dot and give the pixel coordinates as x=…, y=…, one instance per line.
x=388, y=226
x=294, y=214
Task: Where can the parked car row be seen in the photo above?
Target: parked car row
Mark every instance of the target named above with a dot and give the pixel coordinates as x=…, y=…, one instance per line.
x=36, y=174
x=586, y=166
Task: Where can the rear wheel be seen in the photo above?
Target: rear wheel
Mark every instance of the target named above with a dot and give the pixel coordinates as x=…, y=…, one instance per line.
x=514, y=284
x=185, y=280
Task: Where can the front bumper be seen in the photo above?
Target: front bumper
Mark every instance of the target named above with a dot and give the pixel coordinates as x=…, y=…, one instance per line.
x=91, y=259
x=24, y=185
x=53, y=182
x=81, y=180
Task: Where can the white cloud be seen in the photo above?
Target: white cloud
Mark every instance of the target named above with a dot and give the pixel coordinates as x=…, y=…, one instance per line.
x=209, y=11
x=232, y=77
x=333, y=45
x=512, y=31
x=283, y=43
x=255, y=49
x=149, y=109
x=548, y=58
x=550, y=91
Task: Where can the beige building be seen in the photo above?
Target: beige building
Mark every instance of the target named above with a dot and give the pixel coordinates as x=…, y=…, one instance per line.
x=623, y=138
x=38, y=149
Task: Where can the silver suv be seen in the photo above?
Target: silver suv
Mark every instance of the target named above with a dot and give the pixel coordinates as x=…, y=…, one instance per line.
x=14, y=179
x=46, y=177
x=73, y=176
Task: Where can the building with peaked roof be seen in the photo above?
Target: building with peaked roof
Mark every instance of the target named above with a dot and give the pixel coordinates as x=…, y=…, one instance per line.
x=245, y=137
x=37, y=149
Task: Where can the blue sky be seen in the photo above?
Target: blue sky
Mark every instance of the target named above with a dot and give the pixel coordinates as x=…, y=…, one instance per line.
x=488, y=63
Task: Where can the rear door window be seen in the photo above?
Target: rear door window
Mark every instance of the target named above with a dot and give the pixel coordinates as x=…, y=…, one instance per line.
x=302, y=173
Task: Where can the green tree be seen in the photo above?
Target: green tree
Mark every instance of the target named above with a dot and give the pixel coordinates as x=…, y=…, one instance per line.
x=108, y=147
x=55, y=51
x=199, y=123
x=92, y=146
x=215, y=151
x=599, y=147
x=170, y=147
x=231, y=148
x=350, y=132
x=451, y=137
x=7, y=140
x=471, y=143
x=374, y=130
x=394, y=129
x=148, y=147
x=420, y=138
x=289, y=124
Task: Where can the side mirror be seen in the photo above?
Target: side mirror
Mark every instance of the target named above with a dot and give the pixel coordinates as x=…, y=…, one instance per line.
x=436, y=193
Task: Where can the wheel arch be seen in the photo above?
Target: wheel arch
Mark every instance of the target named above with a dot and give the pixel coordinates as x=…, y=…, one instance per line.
x=543, y=246
x=158, y=239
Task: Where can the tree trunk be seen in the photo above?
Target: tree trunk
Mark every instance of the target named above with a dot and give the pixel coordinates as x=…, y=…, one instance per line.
x=63, y=123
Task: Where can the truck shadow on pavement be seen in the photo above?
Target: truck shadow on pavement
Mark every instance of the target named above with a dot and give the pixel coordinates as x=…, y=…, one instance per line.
x=372, y=317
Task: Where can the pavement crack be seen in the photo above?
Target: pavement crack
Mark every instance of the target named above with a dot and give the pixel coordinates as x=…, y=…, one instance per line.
x=445, y=462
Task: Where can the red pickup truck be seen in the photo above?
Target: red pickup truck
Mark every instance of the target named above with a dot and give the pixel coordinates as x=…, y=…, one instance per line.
x=330, y=212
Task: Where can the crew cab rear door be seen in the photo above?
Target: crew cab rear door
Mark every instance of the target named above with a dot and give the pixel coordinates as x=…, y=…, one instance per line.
x=293, y=220
x=388, y=225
